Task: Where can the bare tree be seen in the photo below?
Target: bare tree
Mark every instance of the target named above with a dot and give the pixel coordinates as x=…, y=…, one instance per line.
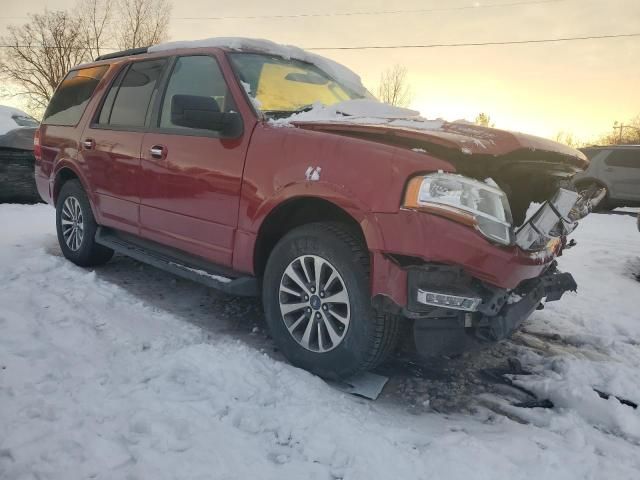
x=393, y=88
x=39, y=54
x=567, y=138
x=484, y=120
x=97, y=23
x=623, y=133
x=142, y=22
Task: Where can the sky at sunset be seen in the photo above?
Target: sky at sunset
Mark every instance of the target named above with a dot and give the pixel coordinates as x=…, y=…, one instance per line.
x=579, y=87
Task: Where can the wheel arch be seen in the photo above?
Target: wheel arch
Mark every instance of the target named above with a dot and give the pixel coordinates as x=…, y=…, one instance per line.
x=63, y=174
x=298, y=211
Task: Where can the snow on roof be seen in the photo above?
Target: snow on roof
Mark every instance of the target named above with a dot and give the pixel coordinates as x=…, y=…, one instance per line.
x=363, y=112
x=12, y=118
x=338, y=72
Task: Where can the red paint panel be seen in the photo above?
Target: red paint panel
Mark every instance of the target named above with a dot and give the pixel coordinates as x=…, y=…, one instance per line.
x=113, y=171
x=437, y=239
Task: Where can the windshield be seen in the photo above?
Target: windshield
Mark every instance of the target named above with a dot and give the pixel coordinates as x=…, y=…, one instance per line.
x=281, y=87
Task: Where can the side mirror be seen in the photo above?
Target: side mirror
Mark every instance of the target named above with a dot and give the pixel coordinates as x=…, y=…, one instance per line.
x=203, y=113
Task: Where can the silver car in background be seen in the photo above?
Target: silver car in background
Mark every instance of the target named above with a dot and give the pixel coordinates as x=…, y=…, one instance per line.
x=616, y=168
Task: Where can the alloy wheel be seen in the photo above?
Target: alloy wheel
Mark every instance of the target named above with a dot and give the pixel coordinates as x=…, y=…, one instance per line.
x=314, y=303
x=72, y=224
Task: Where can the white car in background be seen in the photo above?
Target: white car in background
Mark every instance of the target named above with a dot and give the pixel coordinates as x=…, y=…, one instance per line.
x=617, y=169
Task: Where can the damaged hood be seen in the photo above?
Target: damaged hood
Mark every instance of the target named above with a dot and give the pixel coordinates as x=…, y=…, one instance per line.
x=385, y=123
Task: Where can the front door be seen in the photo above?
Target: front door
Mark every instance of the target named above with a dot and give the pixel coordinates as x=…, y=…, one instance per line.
x=191, y=177
x=110, y=146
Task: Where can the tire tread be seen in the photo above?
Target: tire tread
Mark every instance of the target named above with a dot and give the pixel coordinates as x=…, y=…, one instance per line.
x=386, y=326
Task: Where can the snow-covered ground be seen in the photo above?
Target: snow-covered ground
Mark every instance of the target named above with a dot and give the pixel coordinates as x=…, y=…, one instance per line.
x=126, y=372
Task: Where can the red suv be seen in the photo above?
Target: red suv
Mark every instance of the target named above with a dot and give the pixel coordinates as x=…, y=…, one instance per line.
x=265, y=170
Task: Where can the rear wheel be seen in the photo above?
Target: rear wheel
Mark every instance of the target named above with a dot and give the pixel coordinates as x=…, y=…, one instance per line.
x=76, y=227
x=318, y=305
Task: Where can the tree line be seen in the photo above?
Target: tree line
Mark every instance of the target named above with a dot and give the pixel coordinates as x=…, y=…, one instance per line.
x=38, y=54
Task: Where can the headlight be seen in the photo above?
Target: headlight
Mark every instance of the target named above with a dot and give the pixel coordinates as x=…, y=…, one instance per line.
x=465, y=200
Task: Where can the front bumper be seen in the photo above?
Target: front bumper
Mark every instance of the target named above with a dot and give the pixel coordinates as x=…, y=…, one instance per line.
x=444, y=330
x=408, y=238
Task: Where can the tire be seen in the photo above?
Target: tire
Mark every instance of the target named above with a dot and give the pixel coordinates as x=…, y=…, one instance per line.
x=368, y=337
x=73, y=210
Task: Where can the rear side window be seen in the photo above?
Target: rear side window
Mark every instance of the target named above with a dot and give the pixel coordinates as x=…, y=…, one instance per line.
x=127, y=103
x=624, y=158
x=73, y=95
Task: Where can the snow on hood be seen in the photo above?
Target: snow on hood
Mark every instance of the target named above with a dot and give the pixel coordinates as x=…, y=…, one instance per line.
x=338, y=72
x=361, y=112
x=380, y=118
x=12, y=118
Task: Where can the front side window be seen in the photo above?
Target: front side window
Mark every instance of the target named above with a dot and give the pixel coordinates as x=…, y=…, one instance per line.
x=128, y=101
x=626, y=158
x=73, y=95
x=197, y=87
x=283, y=86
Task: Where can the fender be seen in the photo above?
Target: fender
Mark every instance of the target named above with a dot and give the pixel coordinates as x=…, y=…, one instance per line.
x=338, y=195
x=342, y=198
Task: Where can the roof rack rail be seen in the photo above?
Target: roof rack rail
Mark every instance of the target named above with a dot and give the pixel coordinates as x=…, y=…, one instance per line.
x=123, y=53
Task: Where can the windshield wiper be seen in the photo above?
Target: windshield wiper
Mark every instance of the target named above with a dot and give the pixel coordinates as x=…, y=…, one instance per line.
x=288, y=113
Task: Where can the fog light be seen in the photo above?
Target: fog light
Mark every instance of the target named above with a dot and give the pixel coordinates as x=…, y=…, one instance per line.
x=468, y=304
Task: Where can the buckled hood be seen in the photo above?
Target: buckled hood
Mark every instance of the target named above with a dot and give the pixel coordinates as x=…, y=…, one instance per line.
x=388, y=124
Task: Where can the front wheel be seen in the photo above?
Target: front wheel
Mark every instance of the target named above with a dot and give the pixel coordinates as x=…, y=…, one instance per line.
x=76, y=227
x=318, y=306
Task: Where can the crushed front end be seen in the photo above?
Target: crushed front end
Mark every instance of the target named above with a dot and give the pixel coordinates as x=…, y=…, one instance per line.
x=472, y=292
x=453, y=312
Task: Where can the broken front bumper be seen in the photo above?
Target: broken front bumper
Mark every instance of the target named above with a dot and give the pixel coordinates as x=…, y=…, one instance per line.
x=557, y=217
x=448, y=329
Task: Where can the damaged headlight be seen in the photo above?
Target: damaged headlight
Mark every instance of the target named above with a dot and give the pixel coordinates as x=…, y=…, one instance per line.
x=483, y=206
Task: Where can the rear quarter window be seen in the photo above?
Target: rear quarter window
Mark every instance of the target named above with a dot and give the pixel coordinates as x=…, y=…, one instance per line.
x=72, y=96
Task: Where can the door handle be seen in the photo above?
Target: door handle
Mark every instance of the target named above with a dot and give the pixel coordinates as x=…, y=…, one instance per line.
x=88, y=144
x=158, y=151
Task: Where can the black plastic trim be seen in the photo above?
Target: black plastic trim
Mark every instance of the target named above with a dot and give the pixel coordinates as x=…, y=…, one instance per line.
x=123, y=53
x=178, y=263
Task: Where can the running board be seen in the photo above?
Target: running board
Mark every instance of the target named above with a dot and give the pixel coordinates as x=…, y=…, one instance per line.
x=196, y=271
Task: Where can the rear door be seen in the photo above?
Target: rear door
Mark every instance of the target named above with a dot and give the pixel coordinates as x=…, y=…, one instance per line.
x=191, y=177
x=622, y=167
x=110, y=145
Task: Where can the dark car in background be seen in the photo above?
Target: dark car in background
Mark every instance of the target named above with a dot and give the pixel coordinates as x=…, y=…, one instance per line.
x=17, y=183
x=616, y=168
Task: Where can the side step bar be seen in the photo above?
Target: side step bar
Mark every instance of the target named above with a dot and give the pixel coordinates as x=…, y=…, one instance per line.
x=206, y=274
